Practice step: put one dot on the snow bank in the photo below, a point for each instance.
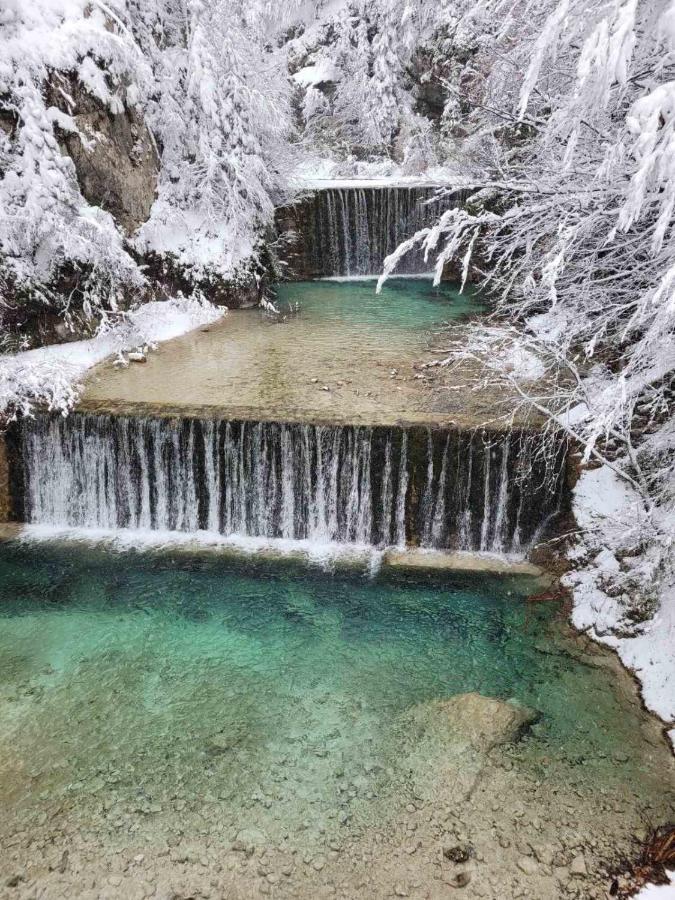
(51, 375)
(611, 516)
(195, 241)
(658, 891)
(319, 73)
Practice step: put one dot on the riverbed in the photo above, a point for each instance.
(195, 726)
(336, 352)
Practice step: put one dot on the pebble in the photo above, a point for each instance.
(457, 879)
(527, 865)
(578, 866)
(319, 863)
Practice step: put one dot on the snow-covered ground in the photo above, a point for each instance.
(51, 376)
(658, 891)
(609, 512)
(320, 173)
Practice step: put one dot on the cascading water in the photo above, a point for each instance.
(350, 231)
(374, 486)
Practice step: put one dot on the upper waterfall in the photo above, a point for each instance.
(349, 231)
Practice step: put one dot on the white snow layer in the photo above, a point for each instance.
(658, 891)
(319, 73)
(607, 510)
(50, 375)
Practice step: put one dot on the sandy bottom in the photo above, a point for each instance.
(337, 353)
(186, 727)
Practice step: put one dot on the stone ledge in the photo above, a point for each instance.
(339, 555)
(459, 561)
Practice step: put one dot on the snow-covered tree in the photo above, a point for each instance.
(571, 227)
(46, 225)
(220, 112)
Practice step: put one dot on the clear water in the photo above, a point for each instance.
(403, 303)
(137, 688)
(339, 353)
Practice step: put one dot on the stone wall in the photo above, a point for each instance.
(292, 224)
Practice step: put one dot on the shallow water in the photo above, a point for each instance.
(338, 352)
(403, 304)
(277, 695)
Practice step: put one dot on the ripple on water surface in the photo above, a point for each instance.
(135, 682)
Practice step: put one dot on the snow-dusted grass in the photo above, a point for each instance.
(51, 376)
(611, 516)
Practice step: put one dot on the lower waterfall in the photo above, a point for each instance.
(477, 490)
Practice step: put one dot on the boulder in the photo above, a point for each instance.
(482, 722)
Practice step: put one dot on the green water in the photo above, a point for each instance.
(404, 303)
(138, 687)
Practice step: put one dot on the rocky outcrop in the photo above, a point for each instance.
(485, 722)
(113, 154)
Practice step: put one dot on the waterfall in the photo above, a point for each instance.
(356, 485)
(350, 231)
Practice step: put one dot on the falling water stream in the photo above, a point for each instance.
(360, 485)
(350, 231)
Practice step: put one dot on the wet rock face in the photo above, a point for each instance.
(116, 165)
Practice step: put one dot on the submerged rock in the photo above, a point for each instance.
(248, 840)
(482, 722)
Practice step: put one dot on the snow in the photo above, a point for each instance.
(51, 375)
(195, 241)
(658, 891)
(611, 514)
(400, 181)
(520, 361)
(319, 73)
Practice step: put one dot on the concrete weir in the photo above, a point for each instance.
(363, 486)
(349, 229)
(317, 423)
